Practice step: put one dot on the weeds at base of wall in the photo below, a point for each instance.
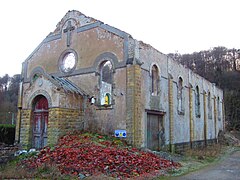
(209, 152)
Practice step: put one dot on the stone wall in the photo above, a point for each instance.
(94, 43)
(171, 120)
(61, 121)
(134, 110)
(25, 128)
(88, 43)
(183, 126)
(183, 147)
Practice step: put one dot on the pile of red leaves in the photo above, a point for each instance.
(87, 155)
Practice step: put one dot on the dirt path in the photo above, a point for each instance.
(228, 168)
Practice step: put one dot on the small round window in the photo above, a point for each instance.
(68, 61)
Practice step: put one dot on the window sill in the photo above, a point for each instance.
(105, 107)
(181, 112)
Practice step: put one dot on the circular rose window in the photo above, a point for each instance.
(68, 62)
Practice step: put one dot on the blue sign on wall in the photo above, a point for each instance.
(120, 133)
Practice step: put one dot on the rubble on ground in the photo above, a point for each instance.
(86, 155)
(7, 152)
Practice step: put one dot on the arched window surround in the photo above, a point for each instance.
(180, 87)
(106, 71)
(154, 73)
(36, 73)
(218, 109)
(209, 100)
(197, 102)
(100, 60)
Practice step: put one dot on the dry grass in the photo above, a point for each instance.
(14, 171)
(209, 152)
(11, 171)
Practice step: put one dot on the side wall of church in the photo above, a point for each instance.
(187, 127)
(151, 102)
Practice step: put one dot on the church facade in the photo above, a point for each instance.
(87, 75)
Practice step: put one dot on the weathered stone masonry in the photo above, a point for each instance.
(98, 78)
(25, 135)
(133, 121)
(171, 120)
(63, 121)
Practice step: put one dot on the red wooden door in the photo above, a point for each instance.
(40, 123)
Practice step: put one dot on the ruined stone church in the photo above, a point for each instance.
(87, 75)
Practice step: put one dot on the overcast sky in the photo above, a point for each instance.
(183, 26)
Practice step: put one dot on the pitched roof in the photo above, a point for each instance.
(67, 85)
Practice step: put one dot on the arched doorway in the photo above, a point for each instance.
(40, 121)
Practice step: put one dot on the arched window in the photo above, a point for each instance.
(36, 74)
(155, 80)
(197, 102)
(107, 99)
(106, 72)
(180, 94)
(209, 106)
(35, 77)
(106, 80)
(218, 109)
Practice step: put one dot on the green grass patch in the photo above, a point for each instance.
(7, 126)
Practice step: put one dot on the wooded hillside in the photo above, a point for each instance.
(221, 66)
(8, 98)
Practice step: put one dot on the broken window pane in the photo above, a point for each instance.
(68, 62)
(107, 72)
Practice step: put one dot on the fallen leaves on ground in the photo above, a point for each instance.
(86, 154)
